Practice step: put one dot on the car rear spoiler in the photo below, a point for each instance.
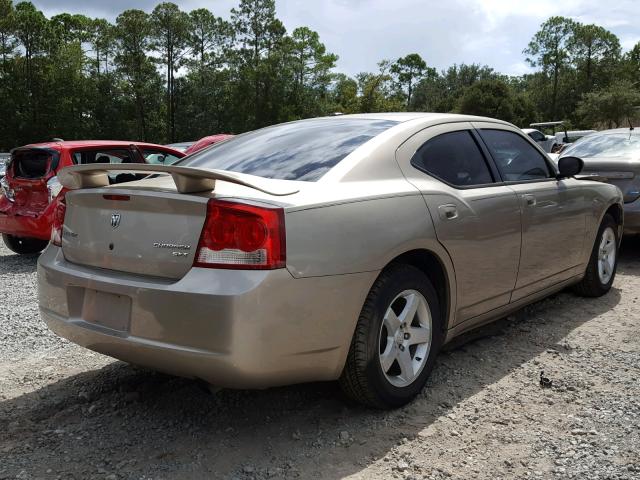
(187, 179)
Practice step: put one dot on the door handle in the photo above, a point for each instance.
(448, 212)
(530, 199)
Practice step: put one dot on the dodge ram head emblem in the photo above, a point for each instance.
(115, 220)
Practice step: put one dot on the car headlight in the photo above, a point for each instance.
(54, 187)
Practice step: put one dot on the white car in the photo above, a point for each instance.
(572, 135)
(547, 142)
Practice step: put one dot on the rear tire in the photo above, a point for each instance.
(24, 245)
(388, 366)
(601, 270)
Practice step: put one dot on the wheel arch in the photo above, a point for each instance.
(617, 212)
(434, 268)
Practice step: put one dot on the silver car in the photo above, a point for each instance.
(614, 156)
(348, 248)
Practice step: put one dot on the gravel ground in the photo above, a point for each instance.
(66, 412)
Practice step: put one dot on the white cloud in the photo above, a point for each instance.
(363, 32)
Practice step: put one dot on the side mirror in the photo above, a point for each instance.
(569, 167)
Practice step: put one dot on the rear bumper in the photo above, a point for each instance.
(632, 217)
(231, 328)
(33, 226)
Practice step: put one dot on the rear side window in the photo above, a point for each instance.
(516, 159)
(115, 156)
(454, 158)
(31, 163)
(303, 150)
(159, 157)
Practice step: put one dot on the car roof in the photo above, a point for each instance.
(625, 130)
(408, 116)
(91, 143)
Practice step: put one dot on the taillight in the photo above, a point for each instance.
(58, 220)
(241, 236)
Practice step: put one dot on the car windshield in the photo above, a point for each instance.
(606, 145)
(304, 150)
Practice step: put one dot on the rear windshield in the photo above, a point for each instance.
(610, 145)
(30, 163)
(303, 150)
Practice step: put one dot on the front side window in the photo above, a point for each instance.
(304, 150)
(453, 158)
(516, 159)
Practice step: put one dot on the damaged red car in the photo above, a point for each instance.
(30, 185)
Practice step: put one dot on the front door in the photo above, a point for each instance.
(476, 218)
(553, 211)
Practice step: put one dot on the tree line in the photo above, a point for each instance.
(172, 75)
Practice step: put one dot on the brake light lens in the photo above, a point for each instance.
(241, 236)
(58, 220)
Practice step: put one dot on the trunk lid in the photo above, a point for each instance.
(144, 232)
(622, 172)
(26, 177)
(149, 227)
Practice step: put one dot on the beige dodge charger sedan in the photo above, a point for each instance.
(347, 248)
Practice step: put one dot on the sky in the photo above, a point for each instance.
(444, 32)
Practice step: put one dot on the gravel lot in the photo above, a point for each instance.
(68, 413)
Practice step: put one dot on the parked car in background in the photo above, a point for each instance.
(547, 142)
(614, 155)
(349, 247)
(571, 136)
(550, 143)
(181, 146)
(31, 183)
(207, 141)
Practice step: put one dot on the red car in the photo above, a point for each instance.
(206, 141)
(30, 184)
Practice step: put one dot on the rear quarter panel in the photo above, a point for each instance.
(363, 236)
(356, 236)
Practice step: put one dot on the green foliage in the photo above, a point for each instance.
(170, 38)
(177, 75)
(549, 50)
(595, 52)
(489, 98)
(409, 70)
(610, 107)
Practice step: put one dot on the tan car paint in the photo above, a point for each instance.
(255, 328)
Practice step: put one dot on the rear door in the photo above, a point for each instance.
(476, 217)
(553, 211)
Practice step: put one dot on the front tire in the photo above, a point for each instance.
(601, 270)
(24, 245)
(396, 341)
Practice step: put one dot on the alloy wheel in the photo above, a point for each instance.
(405, 338)
(606, 255)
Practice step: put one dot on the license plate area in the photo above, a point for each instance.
(100, 308)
